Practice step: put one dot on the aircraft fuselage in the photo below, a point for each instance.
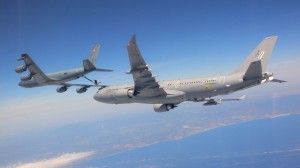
(56, 78)
(195, 89)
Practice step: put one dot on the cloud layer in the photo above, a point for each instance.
(52, 109)
(60, 161)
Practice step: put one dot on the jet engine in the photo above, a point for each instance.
(21, 68)
(130, 93)
(26, 77)
(163, 107)
(124, 93)
(81, 89)
(62, 89)
(211, 103)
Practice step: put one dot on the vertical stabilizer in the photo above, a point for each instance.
(94, 55)
(90, 63)
(261, 54)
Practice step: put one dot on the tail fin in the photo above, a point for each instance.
(256, 63)
(90, 63)
(94, 55)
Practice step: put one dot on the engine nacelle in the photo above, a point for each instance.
(130, 93)
(211, 103)
(81, 89)
(124, 93)
(163, 107)
(62, 89)
(26, 77)
(21, 68)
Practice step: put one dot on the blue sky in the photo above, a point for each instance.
(177, 38)
(54, 32)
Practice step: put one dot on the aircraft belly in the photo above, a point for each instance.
(121, 99)
(144, 100)
(160, 99)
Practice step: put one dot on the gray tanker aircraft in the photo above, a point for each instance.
(166, 95)
(37, 77)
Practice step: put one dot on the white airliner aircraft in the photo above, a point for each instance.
(166, 95)
(37, 77)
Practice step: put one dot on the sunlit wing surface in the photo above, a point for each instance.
(37, 74)
(142, 76)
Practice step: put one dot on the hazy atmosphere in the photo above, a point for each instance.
(178, 39)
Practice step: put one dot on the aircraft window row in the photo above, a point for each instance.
(211, 80)
(191, 82)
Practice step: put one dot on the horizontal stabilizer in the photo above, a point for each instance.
(278, 81)
(88, 66)
(103, 70)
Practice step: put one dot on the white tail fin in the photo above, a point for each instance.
(260, 55)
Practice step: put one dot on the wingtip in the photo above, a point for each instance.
(242, 97)
(24, 55)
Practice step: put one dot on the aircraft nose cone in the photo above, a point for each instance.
(102, 97)
(20, 83)
(99, 97)
(96, 97)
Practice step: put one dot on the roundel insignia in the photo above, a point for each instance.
(207, 86)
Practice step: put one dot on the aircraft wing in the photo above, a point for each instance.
(142, 76)
(211, 101)
(83, 85)
(37, 74)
